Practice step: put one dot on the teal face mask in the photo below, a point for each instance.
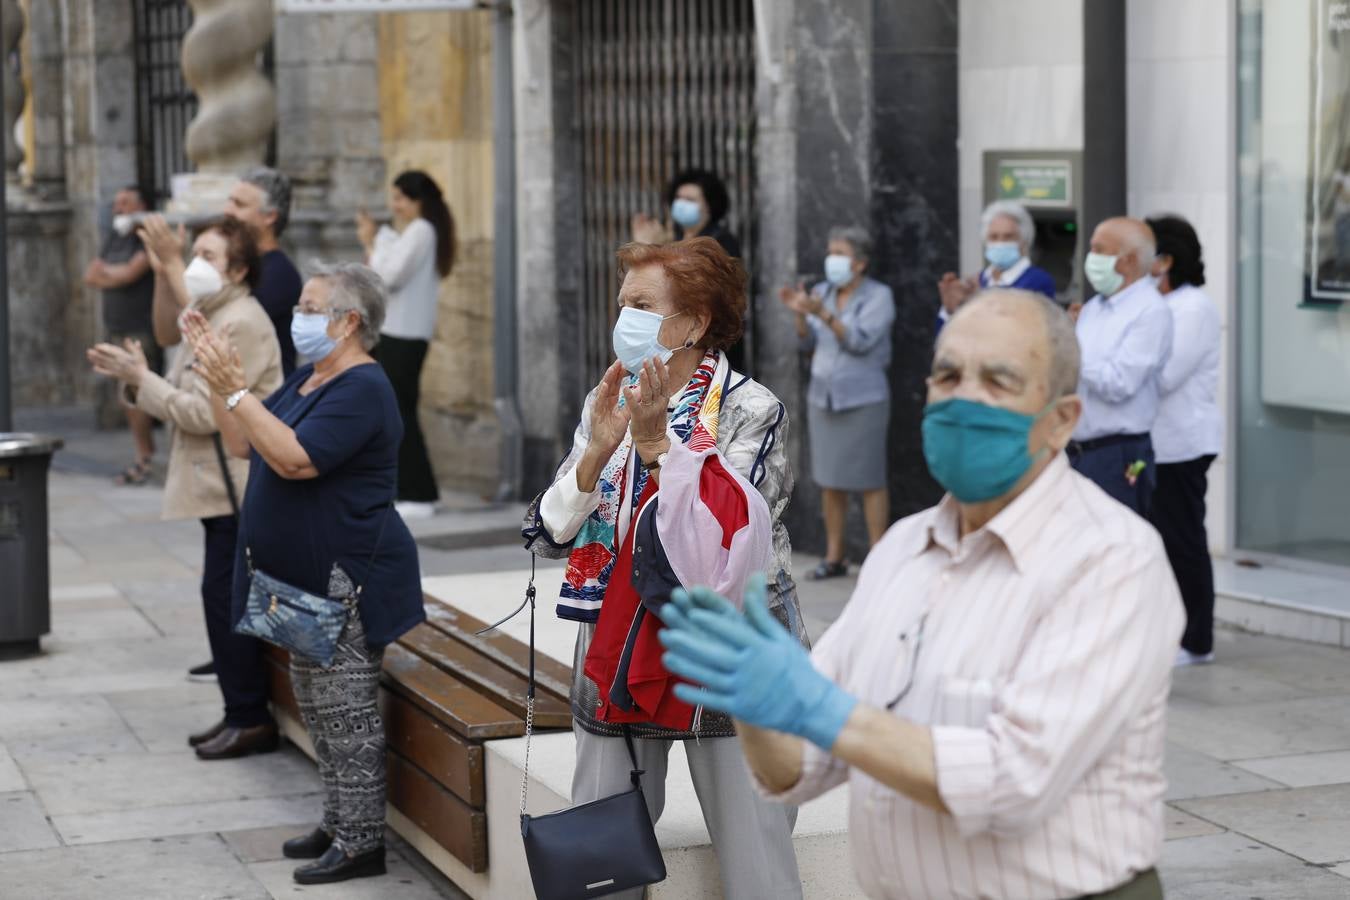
(976, 451)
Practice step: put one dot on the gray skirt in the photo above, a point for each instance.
(848, 448)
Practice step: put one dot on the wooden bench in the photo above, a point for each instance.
(444, 692)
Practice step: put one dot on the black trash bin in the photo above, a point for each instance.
(25, 581)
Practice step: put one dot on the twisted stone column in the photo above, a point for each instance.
(14, 25)
(237, 107)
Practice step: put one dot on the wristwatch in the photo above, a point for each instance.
(656, 463)
(233, 400)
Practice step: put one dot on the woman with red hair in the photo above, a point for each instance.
(678, 476)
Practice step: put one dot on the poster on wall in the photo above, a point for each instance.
(1329, 147)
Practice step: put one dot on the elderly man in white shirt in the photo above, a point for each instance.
(1125, 332)
(1188, 434)
(995, 693)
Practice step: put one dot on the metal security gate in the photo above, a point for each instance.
(664, 85)
(164, 103)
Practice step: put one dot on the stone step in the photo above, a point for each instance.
(1282, 602)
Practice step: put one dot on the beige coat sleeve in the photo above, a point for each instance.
(252, 333)
(187, 407)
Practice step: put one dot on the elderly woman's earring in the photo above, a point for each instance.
(689, 343)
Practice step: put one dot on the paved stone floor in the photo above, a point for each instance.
(100, 798)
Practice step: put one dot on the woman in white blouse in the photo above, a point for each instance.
(412, 256)
(1188, 433)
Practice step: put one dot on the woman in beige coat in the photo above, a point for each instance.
(217, 283)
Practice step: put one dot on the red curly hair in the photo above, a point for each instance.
(703, 278)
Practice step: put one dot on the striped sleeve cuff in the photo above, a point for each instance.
(820, 773)
(964, 760)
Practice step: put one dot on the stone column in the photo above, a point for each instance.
(14, 24)
(237, 108)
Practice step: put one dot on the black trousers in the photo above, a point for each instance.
(402, 361)
(1179, 516)
(1106, 460)
(240, 666)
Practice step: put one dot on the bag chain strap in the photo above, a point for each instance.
(529, 694)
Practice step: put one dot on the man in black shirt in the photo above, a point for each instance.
(262, 198)
(122, 272)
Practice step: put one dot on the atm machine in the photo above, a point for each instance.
(1049, 183)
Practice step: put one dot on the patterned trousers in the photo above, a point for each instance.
(340, 707)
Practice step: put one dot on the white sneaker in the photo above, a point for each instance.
(1187, 658)
(415, 509)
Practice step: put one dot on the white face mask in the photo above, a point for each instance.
(202, 279)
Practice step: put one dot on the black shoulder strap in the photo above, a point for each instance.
(225, 472)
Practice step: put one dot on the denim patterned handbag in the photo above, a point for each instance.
(296, 621)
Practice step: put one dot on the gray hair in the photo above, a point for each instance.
(1141, 241)
(857, 238)
(276, 189)
(357, 288)
(1060, 335)
(1015, 211)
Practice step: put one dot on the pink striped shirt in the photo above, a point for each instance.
(1040, 649)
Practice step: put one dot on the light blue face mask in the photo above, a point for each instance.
(686, 213)
(309, 331)
(636, 338)
(1002, 255)
(838, 269)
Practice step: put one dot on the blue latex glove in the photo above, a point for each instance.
(749, 666)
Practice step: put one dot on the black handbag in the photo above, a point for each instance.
(594, 849)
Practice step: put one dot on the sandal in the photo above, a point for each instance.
(828, 569)
(136, 473)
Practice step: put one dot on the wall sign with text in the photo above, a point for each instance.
(1036, 182)
(331, 6)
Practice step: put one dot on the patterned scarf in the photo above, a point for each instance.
(591, 563)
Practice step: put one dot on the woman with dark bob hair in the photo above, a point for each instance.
(678, 476)
(1188, 433)
(698, 203)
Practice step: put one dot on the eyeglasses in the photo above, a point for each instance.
(913, 660)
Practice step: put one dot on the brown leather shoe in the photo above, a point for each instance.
(235, 742)
(196, 740)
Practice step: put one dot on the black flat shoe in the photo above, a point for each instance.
(336, 865)
(828, 569)
(309, 846)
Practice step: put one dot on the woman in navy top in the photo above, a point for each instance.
(318, 514)
(1008, 234)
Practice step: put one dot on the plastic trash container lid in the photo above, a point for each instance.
(22, 443)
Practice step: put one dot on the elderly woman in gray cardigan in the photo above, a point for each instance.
(845, 323)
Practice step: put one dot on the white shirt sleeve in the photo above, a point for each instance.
(1195, 332)
(564, 507)
(396, 256)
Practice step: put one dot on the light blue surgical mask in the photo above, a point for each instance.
(636, 338)
(686, 213)
(977, 452)
(1002, 255)
(838, 269)
(1101, 273)
(309, 331)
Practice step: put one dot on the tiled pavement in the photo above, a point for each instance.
(99, 797)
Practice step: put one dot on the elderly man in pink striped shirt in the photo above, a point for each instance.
(995, 693)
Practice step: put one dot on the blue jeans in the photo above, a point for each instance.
(1106, 460)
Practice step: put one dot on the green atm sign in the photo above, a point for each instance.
(1036, 182)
